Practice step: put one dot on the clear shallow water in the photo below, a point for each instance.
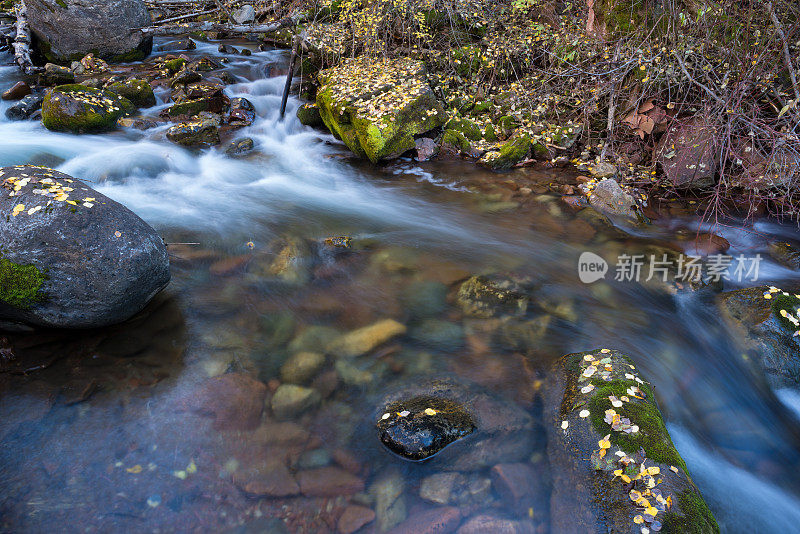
(103, 434)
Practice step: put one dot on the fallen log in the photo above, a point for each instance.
(188, 16)
(177, 29)
(22, 41)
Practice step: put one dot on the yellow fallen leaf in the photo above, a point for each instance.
(653, 470)
(17, 209)
(135, 469)
(191, 468)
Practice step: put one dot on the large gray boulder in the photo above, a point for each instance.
(67, 30)
(71, 257)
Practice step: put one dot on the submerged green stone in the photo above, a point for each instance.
(418, 428)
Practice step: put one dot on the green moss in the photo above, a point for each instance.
(652, 436)
(695, 518)
(308, 114)
(95, 110)
(466, 127)
(20, 285)
(512, 152)
(620, 16)
(128, 57)
(456, 140)
(481, 107)
(190, 107)
(507, 125)
(138, 92)
(489, 133)
(174, 65)
(468, 60)
(62, 3)
(791, 304)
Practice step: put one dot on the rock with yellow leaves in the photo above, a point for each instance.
(79, 109)
(614, 466)
(766, 321)
(71, 257)
(454, 425)
(377, 106)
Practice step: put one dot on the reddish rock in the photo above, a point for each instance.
(687, 154)
(353, 518)
(517, 484)
(440, 520)
(274, 481)
(328, 482)
(576, 202)
(17, 91)
(485, 523)
(347, 461)
(234, 400)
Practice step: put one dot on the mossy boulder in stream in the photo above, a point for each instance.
(376, 107)
(513, 151)
(765, 320)
(139, 92)
(71, 257)
(79, 109)
(614, 466)
(308, 115)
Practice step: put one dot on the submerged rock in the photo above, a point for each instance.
(70, 256)
(291, 400)
(79, 109)
(240, 147)
(363, 340)
(453, 425)
(485, 296)
(613, 464)
(786, 254)
(756, 316)
(67, 30)
(376, 107)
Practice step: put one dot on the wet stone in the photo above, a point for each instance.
(302, 367)
(420, 427)
(496, 525)
(25, 108)
(438, 334)
(363, 340)
(484, 296)
(353, 518)
(388, 492)
(17, 91)
(439, 520)
(290, 401)
(240, 147)
(328, 482)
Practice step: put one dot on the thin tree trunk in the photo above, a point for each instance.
(22, 41)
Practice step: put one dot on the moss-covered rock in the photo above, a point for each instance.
(465, 126)
(138, 92)
(308, 114)
(20, 285)
(376, 107)
(614, 465)
(201, 131)
(513, 151)
(174, 65)
(468, 60)
(488, 296)
(79, 109)
(456, 142)
(762, 319)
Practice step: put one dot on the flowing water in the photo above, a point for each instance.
(117, 429)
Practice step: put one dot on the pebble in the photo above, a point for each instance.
(17, 91)
(359, 342)
(291, 400)
(439, 520)
(302, 367)
(353, 518)
(328, 482)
